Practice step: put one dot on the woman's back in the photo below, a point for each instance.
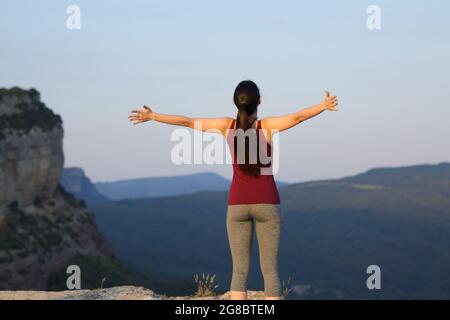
(249, 189)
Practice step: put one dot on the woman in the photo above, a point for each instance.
(253, 196)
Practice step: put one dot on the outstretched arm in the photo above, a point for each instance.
(288, 121)
(204, 124)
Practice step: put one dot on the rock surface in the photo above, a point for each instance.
(42, 227)
(31, 154)
(116, 293)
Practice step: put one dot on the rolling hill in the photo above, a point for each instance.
(397, 218)
(152, 187)
(162, 186)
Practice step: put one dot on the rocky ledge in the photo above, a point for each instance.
(115, 293)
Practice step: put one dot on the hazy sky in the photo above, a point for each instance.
(186, 57)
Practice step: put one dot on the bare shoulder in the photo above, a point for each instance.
(224, 122)
(218, 124)
(228, 125)
(229, 120)
(265, 123)
(266, 129)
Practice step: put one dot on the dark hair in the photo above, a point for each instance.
(246, 98)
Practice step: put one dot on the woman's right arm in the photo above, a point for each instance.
(281, 123)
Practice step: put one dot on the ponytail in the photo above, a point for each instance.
(246, 99)
(242, 120)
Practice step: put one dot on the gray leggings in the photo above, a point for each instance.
(240, 220)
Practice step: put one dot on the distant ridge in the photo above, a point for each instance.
(152, 187)
(395, 175)
(75, 181)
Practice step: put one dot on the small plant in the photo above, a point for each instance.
(205, 285)
(286, 288)
(103, 282)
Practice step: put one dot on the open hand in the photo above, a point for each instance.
(330, 102)
(142, 115)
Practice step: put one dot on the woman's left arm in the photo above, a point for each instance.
(219, 125)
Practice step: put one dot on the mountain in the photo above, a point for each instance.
(163, 186)
(396, 218)
(77, 183)
(43, 228)
(153, 187)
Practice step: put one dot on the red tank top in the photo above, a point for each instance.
(247, 189)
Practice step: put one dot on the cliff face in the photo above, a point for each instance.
(42, 227)
(31, 156)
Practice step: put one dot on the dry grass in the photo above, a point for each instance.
(286, 288)
(205, 285)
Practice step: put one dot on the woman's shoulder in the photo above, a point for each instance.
(231, 122)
